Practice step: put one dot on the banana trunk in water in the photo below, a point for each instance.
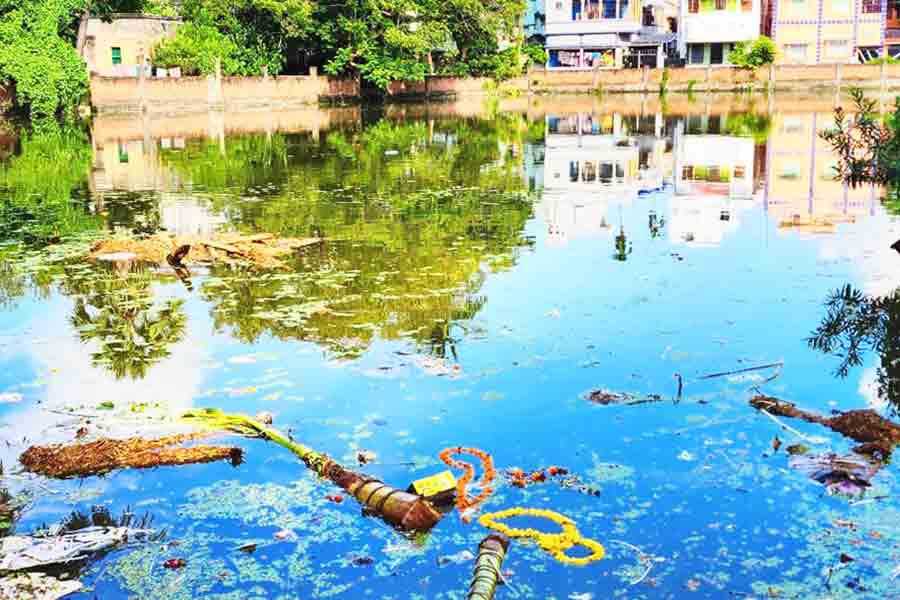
(403, 510)
(486, 575)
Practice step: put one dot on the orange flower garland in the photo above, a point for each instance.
(463, 502)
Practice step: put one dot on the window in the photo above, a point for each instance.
(573, 171)
(739, 171)
(795, 52)
(871, 6)
(789, 172)
(609, 9)
(720, 4)
(123, 153)
(747, 5)
(590, 171)
(792, 126)
(837, 48)
(558, 6)
(693, 6)
(716, 54)
(841, 7)
(116, 56)
(687, 172)
(698, 54)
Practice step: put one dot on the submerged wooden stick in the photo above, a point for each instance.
(486, 575)
(406, 511)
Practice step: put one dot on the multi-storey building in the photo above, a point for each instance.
(708, 29)
(829, 31)
(800, 187)
(590, 34)
(535, 21)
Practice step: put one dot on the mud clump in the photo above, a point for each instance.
(876, 435)
(102, 456)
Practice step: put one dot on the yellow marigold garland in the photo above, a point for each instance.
(556, 544)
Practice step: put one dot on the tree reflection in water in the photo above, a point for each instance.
(856, 324)
(115, 309)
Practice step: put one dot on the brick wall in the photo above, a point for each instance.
(129, 94)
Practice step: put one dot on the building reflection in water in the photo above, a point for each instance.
(702, 171)
(800, 191)
(594, 162)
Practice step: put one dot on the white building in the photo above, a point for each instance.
(713, 165)
(708, 29)
(593, 163)
(592, 34)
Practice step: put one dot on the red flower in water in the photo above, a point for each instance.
(337, 499)
(175, 563)
(537, 476)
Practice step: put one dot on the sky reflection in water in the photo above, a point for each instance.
(483, 273)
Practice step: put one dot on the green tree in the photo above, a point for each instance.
(43, 188)
(381, 40)
(195, 49)
(253, 33)
(405, 258)
(855, 325)
(117, 312)
(867, 147)
(751, 56)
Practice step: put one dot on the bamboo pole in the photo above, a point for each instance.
(486, 575)
(403, 510)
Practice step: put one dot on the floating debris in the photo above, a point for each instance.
(105, 455)
(262, 250)
(364, 457)
(36, 586)
(408, 512)
(877, 435)
(27, 552)
(556, 544)
(520, 479)
(605, 397)
(10, 397)
(464, 504)
(463, 556)
(486, 575)
(841, 475)
(175, 563)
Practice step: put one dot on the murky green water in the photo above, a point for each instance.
(481, 275)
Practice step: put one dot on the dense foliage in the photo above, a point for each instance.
(414, 221)
(867, 146)
(378, 40)
(44, 186)
(750, 56)
(855, 325)
(37, 54)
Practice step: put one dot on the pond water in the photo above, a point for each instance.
(485, 268)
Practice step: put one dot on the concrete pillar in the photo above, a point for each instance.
(142, 85)
(215, 96)
(660, 58)
(314, 71)
(837, 84)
